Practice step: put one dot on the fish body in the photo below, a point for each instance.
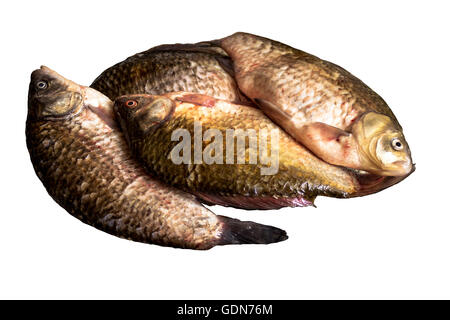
(84, 163)
(320, 104)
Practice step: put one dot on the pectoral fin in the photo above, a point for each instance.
(331, 144)
(319, 131)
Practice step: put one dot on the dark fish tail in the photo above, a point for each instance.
(248, 232)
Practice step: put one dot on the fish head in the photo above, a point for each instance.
(53, 97)
(383, 147)
(140, 113)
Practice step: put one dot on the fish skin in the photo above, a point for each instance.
(86, 166)
(308, 96)
(172, 62)
(300, 179)
(202, 68)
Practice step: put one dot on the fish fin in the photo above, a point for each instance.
(206, 47)
(200, 47)
(255, 203)
(247, 232)
(273, 111)
(323, 131)
(226, 63)
(198, 99)
(331, 144)
(320, 130)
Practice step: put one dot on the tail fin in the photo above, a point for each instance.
(247, 232)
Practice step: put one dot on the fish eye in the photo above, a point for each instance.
(397, 144)
(42, 85)
(131, 103)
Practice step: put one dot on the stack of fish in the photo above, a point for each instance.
(154, 136)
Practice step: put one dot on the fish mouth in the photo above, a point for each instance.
(372, 183)
(403, 167)
(66, 90)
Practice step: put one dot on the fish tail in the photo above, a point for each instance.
(248, 232)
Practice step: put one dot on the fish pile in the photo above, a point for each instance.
(243, 121)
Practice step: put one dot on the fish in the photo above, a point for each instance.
(83, 161)
(274, 171)
(323, 106)
(206, 68)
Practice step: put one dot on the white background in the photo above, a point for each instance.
(394, 244)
